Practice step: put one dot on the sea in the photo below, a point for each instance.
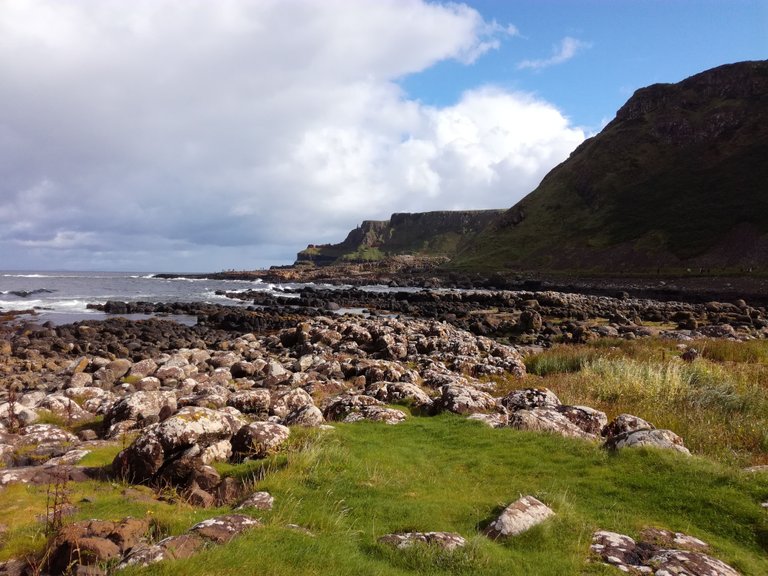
(62, 297)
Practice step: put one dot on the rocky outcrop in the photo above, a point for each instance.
(658, 552)
(425, 233)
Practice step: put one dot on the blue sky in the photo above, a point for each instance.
(158, 135)
(627, 44)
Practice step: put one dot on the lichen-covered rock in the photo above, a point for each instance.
(673, 562)
(445, 540)
(143, 368)
(140, 461)
(653, 553)
(171, 548)
(222, 529)
(140, 406)
(341, 406)
(64, 407)
(258, 440)
(376, 414)
(15, 415)
(258, 501)
(93, 542)
(289, 401)
(307, 416)
(625, 423)
(529, 398)
(40, 442)
(672, 540)
(665, 439)
(621, 551)
(466, 400)
(399, 392)
(254, 402)
(588, 419)
(195, 425)
(547, 420)
(520, 516)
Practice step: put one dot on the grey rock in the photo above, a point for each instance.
(518, 517)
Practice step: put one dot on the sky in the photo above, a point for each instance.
(194, 136)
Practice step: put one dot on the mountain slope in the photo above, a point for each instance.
(679, 179)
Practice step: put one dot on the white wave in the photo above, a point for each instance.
(142, 277)
(71, 305)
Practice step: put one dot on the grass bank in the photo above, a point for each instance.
(351, 485)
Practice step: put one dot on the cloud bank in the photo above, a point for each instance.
(158, 135)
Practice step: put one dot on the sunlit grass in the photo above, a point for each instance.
(718, 403)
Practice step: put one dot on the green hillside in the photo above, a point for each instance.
(679, 179)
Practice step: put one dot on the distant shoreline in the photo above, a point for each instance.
(687, 288)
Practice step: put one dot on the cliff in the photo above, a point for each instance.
(419, 234)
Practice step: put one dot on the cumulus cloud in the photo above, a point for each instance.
(159, 135)
(567, 49)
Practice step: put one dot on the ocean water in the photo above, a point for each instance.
(62, 297)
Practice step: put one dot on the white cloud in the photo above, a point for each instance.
(567, 49)
(206, 135)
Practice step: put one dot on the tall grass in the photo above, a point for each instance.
(718, 403)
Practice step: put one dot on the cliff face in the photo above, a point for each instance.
(418, 234)
(679, 179)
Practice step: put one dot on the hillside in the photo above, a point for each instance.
(424, 234)
(678, 180)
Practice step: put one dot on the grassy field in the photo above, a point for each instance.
(355, 483)
(350, 485)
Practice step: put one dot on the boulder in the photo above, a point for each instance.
(528, 398)
(140, 406)
(665, 439)
(308, 416)
(658, 551)
(195, 425)
(222, 529)
(547, 420)
(254, 402)
(64, 407)
(171, 548)
(376, 414)
(289, 401)
(40, 442)
(445, 540)
(258, 440)
(588, 419)
(466, 400)
(518, 517)
(400, 392)
(93, 542)
(625, 423)
(142, 368)
(341, 406)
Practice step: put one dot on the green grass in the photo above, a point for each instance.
(353, 484)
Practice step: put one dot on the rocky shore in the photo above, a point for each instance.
(231, 388)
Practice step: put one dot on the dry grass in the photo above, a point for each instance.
(718, 403)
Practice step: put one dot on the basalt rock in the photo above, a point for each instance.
(658, 552)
